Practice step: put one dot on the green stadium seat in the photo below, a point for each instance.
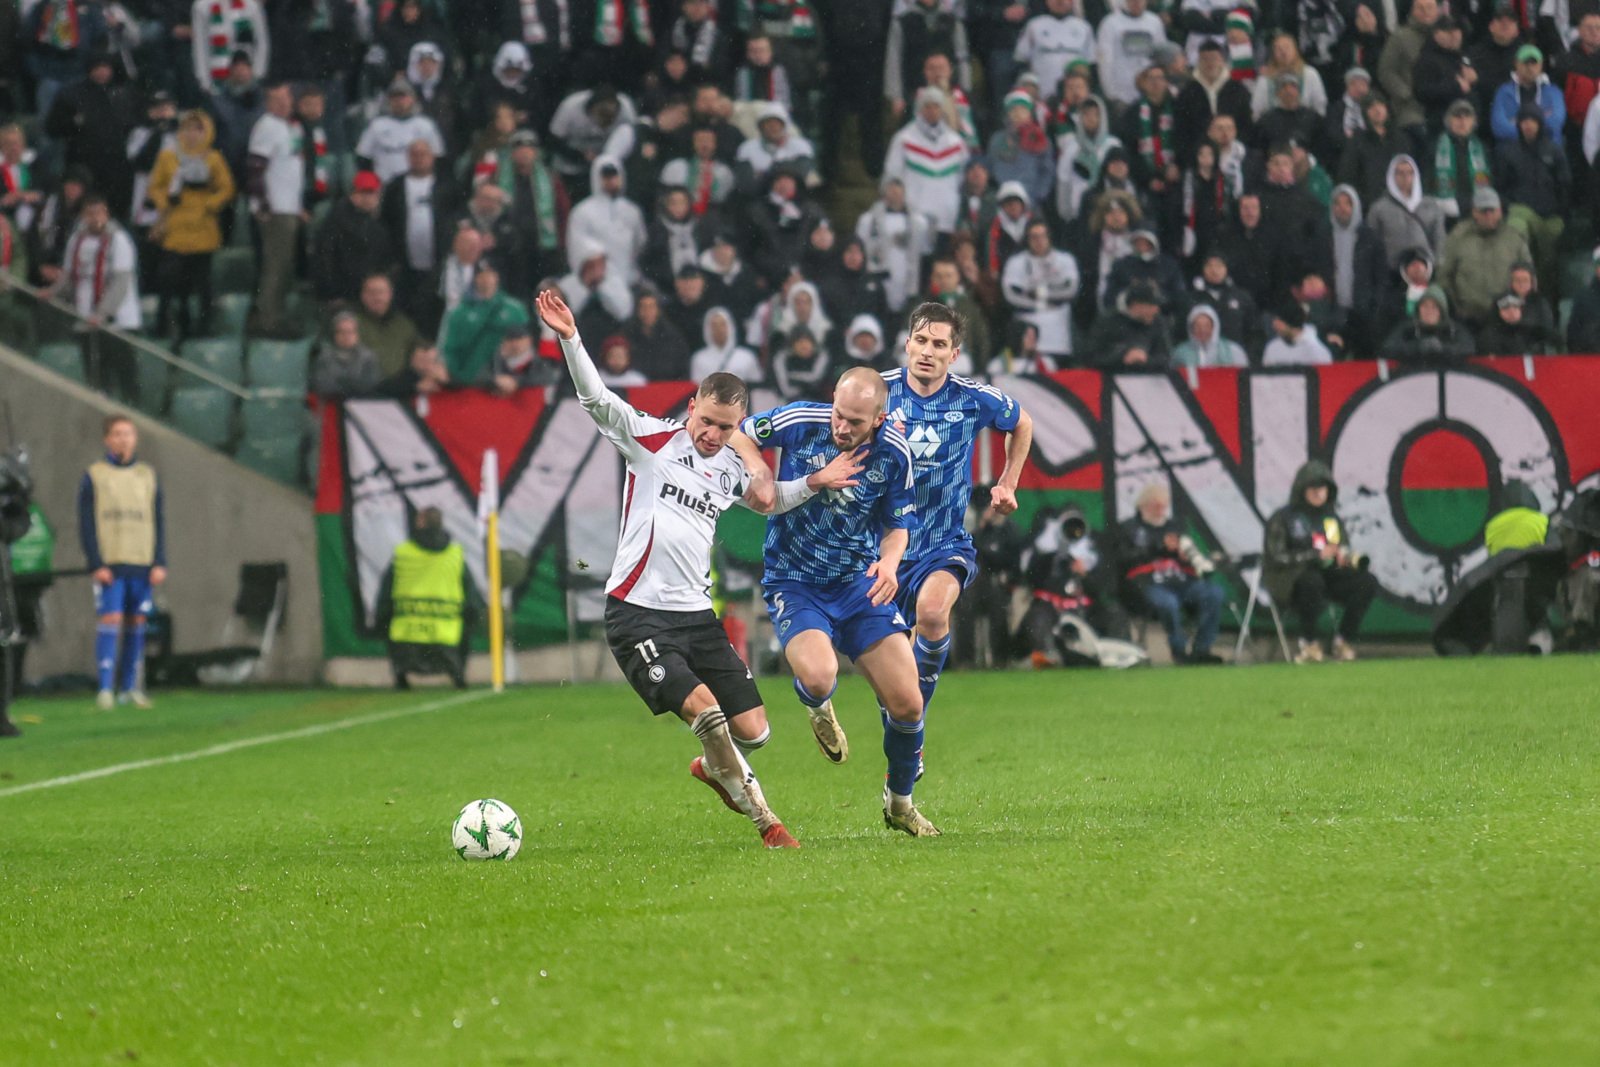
(229, 311)
(63, 357)
(233, 270)
(265, 417)
(276, 457)
(204, 412)
(222, 356)
(279, 364)
(302, 313)
(155, 379)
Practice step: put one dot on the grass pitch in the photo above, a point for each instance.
(1380, 863)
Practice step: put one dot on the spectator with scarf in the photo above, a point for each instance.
(1200, 206)
(536, 203)
(702, 40)
(928, 157)
(1210, 92)
(1020, 153)
(189, 188)
(922, 28)
(1148, 129)
(674, 238)
(100, 278)
(221, 30)
(710, 181)
(759, 79)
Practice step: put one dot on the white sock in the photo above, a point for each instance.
(728, 768)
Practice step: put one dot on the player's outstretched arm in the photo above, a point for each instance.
(616, 419)
(1019, 442)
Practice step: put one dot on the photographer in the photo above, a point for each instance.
(15, 488)
(1309, 561)
(999, 543)
(1070, 572)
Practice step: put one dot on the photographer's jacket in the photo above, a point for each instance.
(119, 517)
(1297, 532)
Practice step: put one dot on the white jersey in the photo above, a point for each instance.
(670, 500)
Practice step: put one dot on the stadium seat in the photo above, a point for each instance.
(277, 457)
(222, 356)
(266, 417)
(155, 379)
(228, 314)
(63, 357)
(279, 364)
(233, 270)
(204, 412)
(303, 313)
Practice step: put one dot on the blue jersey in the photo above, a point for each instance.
(941, 430)
(835, 536)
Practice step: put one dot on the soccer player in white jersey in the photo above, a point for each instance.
(659, 622)
(941, 415)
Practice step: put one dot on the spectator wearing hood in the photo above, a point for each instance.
(1478, 257)
(1237, 313)
(189, 188)
(662, 352)
(1443, 74)
(92, 117)
(1358, 272)
(599, 292)
(436, 94)
(801, 367)
(722, 351)
(509, 81)
(674, 238)
(386, 140)
(776, 143)
(928, 157)
(1007, 231)
(471, 334)
(1533, 176)
(1081, 152)
(864, 345)
(1524, 282)
(343, 365)
(945, 286)
(1430, 336)
(608, 219)
(802, 308)
(735, 284)
(1070, 569)
(1134, 335)
(1019, 153)
(1510, 334)
(221, 29)
(1205, 345)
(1404, 218)
(582, 124)
(1308, 560)
(410, 23)
(1367, 157)
(1040, 283)
(1397, 303)
(1211, 92)
(1200, 206)
(779, 225)
(1146, 263)
(1460, 161)
(1529, 84)
(846, 286)
(1296, 343)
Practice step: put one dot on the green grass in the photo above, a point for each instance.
(1383, 863)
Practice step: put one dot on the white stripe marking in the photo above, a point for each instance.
(244, 742)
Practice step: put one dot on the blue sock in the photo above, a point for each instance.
(902, 744)
(930, 661)
(105, 652)
(132, 656)
(814, 701)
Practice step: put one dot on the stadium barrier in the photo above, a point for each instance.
(1419, 455)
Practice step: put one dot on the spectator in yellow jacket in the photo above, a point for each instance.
(190, 187)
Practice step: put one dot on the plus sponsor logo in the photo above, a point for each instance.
(699, 504)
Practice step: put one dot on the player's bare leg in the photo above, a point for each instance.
(816, 676)
(891, 670)
(723, 768)
(931, 641)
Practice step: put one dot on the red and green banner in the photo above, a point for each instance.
(1419, 457)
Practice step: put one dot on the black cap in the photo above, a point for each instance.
(689, 270)
(609, 170)
(516, 333)
(1291, 315)
(1143, 293)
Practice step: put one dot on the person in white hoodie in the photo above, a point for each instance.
(928, 156)
(609, 219)
(1405, 218)
(1296, 343)
(1205, 345)
(864, 345)
(896, 239)
(1082, 149)
(1126, 40)
(723, 352)
(1053, 40)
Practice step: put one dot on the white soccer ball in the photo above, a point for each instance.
(486, 830)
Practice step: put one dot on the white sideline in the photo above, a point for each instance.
(244, 742)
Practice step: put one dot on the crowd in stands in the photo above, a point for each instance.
(1134, 183)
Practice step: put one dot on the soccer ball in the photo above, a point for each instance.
(486, 830)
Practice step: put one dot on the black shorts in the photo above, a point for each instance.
(666, 655)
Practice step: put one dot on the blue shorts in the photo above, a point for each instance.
(959, 560)
(127, 595)
(840, 610)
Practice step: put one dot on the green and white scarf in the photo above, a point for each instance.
(612, 18)
(1444, 166)
(544, 194)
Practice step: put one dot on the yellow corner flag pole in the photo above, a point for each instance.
(489, 508)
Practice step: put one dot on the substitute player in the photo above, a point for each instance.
(659, 621)
(941, 414)
(124, 543)
(830, 573)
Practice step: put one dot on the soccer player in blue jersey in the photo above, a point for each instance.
(941, 414)
(831, 573)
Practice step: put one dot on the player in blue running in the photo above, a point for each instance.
(831, 573)
(941, 414)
